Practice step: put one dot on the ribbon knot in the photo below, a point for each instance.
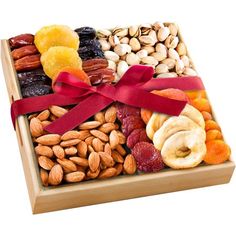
(133, 89)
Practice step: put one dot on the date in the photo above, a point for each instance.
(28, 63)
(21, 40)
(24, 51)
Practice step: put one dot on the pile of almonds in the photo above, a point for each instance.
(94, 150)
(155, 44)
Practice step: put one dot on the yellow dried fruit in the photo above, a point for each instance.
(58, 58)
(56, 35)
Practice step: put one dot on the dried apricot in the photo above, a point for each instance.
(58, 58)
(217, 152)
(211, 124)
(56, 35)
(202, 104)
(213, 134)
(206, 115)
(196, 94)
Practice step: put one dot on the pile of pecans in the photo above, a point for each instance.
(155, 44)
(94, 150)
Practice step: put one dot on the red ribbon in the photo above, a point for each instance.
(132, 89)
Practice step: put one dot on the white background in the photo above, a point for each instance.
(209, 30)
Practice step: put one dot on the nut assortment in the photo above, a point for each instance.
(120, 140)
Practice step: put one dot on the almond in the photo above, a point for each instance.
(107, 173)
(122, 138)
(49, 139)
(89, 125)
(70, 142)
(36, 127)
(45, 123)
(74, 177)
(121, 150)
(130, 164)
(55, 175)
(44, 151)
(117, 157)
(94, 161)
(119, 168)
(81, 168)
(45, 162)
(110, 114)
(93, 175)
(82, 149)
(72, 134)
(107, 127)
(58, 151)
(113, 139)
(90, 149)
(106, 159)
(89, 140)
(43, 115)
(107, 148)
(44, 177)
(71, 151)
(97, 145)
(32, 116)
(57, 111)
(100, 117)
(52, 117)
(79, 161)
(67, 164)
(100, 135)
(83, 134)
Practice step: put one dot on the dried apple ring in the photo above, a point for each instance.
(58, 58)
(56, 35)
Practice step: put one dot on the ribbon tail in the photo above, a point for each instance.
(80, 113)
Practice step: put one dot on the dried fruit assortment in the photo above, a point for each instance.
(120, 139)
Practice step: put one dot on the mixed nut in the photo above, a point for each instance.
(120, 139)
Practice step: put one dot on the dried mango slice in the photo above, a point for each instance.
(58, 58)
(56, 35)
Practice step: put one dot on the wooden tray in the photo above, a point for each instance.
(44, 199)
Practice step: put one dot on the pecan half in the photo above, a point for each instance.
(94, 64)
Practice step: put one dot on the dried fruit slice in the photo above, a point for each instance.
(124, 110)
(148, 158)
(131, 123)
(56, 35)
(136, 136)
(58, 58)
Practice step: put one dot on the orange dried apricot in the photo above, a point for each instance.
(196, 94)
(202, 104)
(213, 134)
(211, 124)
(217, 152)
(56, 35)
(206, 115)
(58, 58)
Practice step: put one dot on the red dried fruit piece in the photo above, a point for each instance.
(148, 157)
(124, 110)
(131, 123)
(136, 136)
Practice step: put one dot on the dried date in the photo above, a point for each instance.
(21, 40)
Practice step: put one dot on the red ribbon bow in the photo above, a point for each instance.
(132, 89)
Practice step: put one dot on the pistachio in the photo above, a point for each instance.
(110, 55)
(163, 33)
(185, 60)
(103, 33)
(169, 62)
(120, 32)
(167, 75)
(153, 34)
(113, 40)
(147, 40)
(179, 67)
(134, 44)
(111, 65)
(162, 68)
(142, 53)
(172, 53)
(149, 60)
(173, 29)
(124, 40)
(104, 44)
(189, 71)
(122, 67)
(171, 41)
(161, 52)
(181, 49)
(145, 28)
(149, 49)
(157, 25)
(132, 59)
(122, 49)
(134, 31)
